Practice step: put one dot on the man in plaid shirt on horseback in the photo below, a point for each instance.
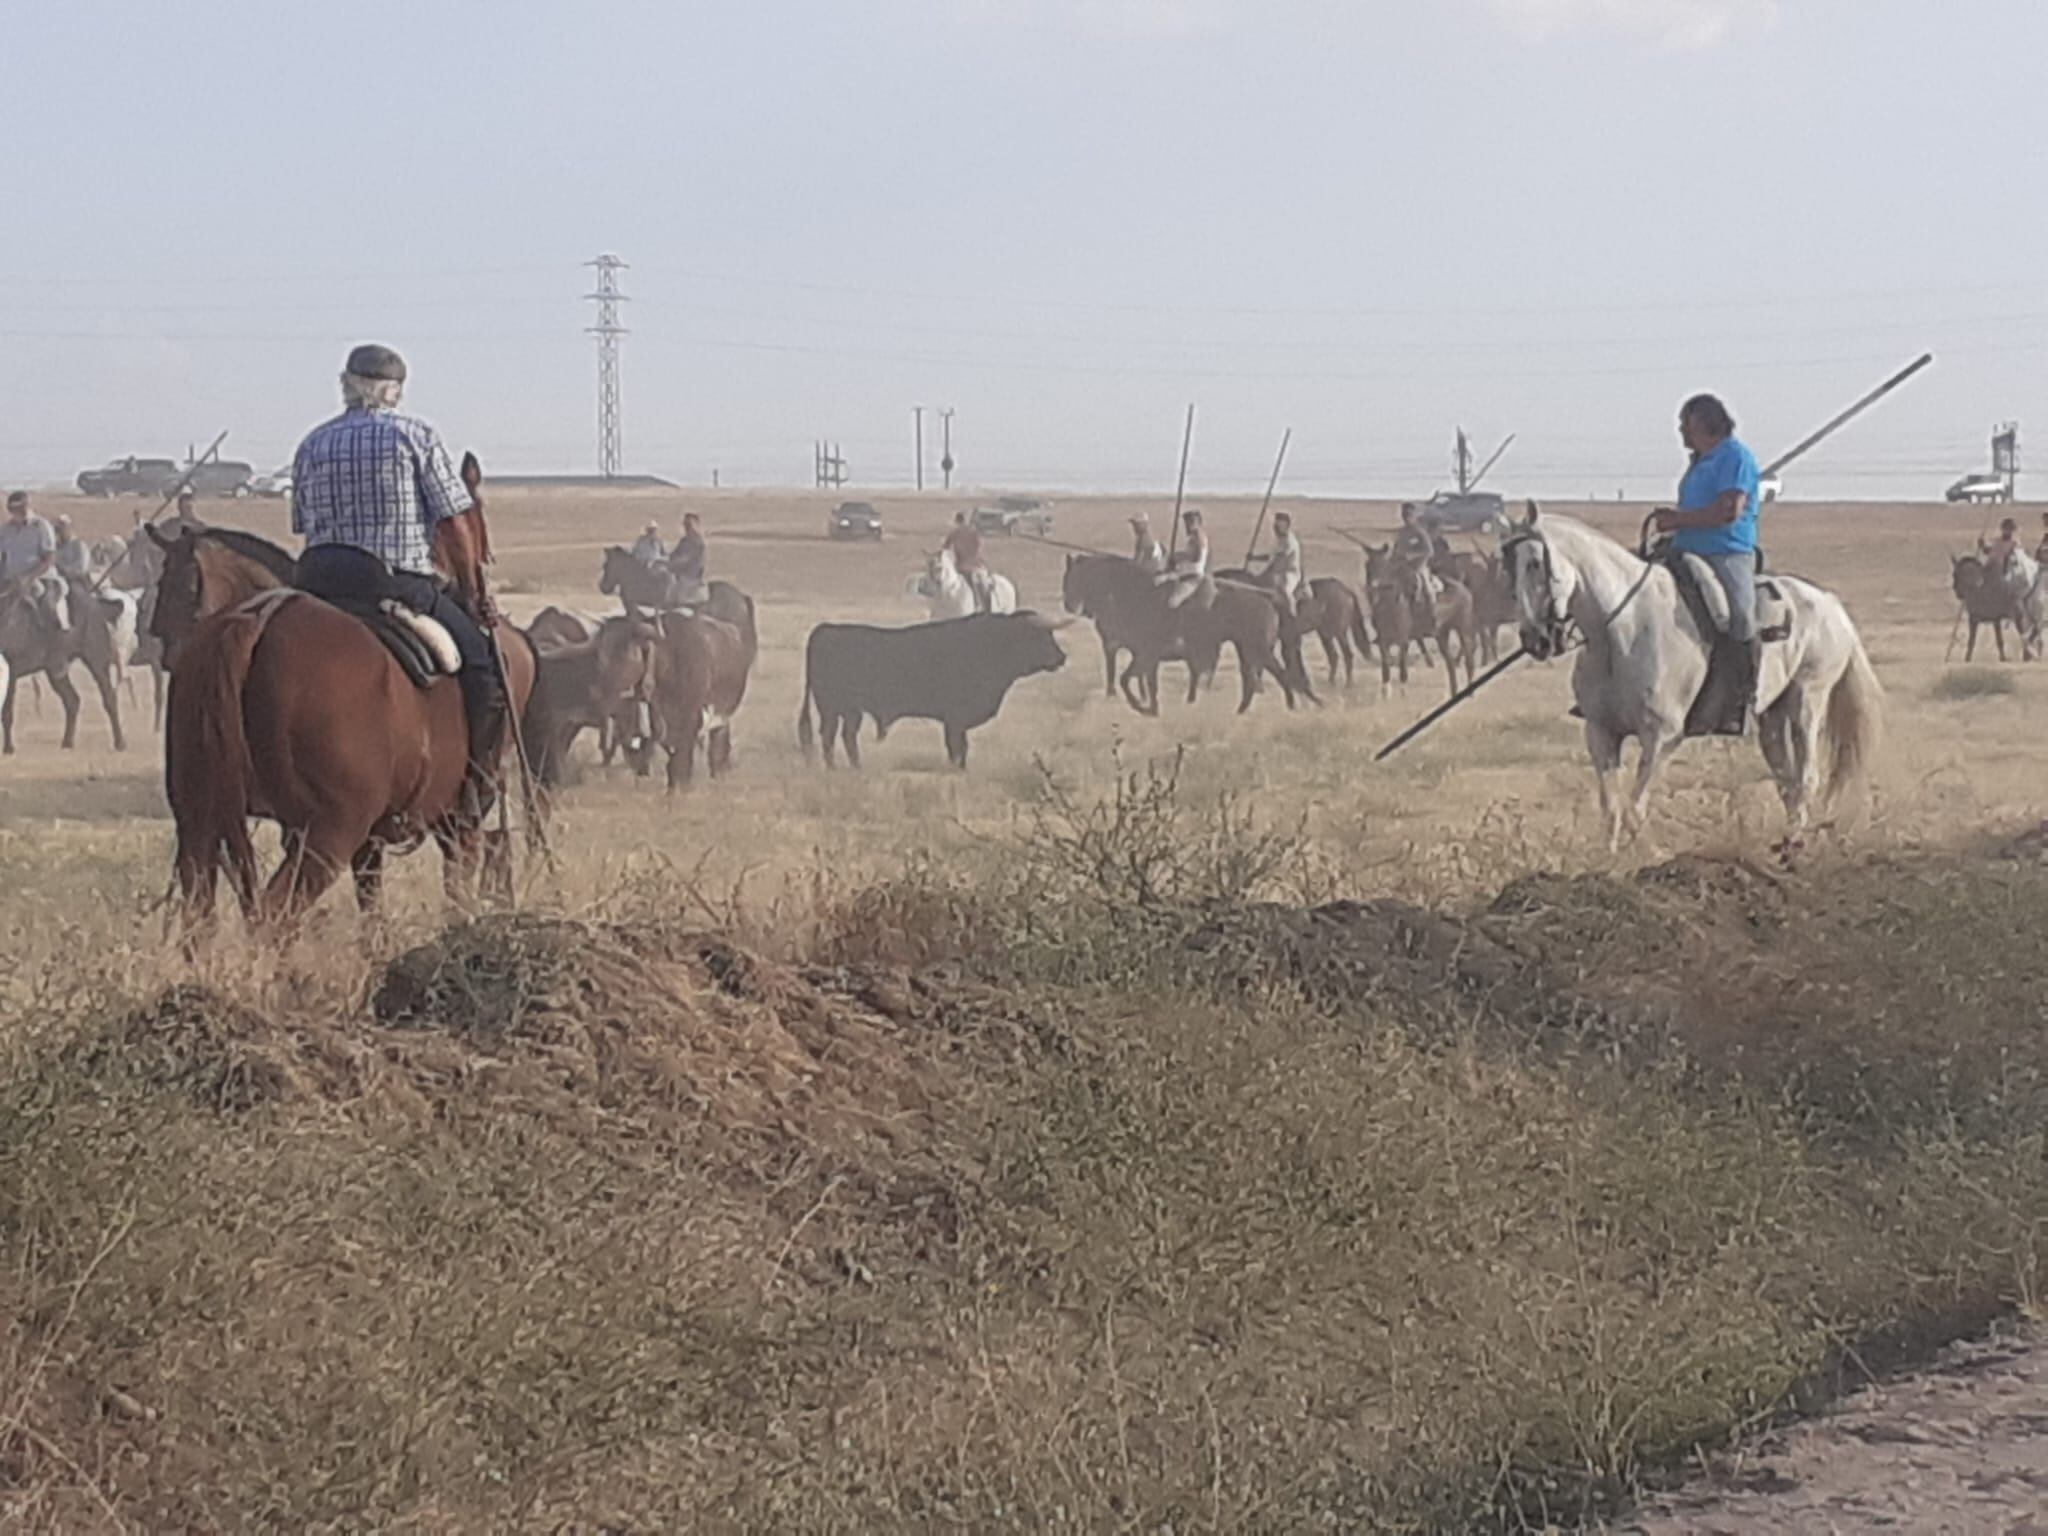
(372, 481)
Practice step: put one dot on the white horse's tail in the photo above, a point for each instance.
(1855, 723)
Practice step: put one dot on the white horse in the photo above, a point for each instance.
(951, 596)
(1820, 707)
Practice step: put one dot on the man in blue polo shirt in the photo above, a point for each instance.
(1716, 519)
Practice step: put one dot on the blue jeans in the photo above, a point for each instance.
(1737, 575)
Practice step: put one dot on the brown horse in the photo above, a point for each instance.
(1332, 610)
(1131, 613)
(700, 678)
(1248, 621)
(1394, 626)
(601, 682)
(1493, 604)
(1404, 609)
(288, 708)
(1986, 599)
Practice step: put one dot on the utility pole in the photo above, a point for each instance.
(946, 459)
(607, 331)
(1461, 462)
(917, 416)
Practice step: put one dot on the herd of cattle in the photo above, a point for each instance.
(666, 677)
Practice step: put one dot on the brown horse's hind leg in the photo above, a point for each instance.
(682, 757)
(196, 887)
(1140, 684)
(313, 860)
(718, 752)
(110, 700)
(1294, 683)
(67, 695)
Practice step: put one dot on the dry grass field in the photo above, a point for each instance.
(918, 1148)
(1499, 787)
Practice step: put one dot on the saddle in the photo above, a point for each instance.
(359, 584)
(1726, 662)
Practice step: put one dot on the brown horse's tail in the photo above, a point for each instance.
(206, 750)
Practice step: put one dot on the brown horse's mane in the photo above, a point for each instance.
(274, 559)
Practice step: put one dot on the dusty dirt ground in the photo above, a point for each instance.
(1959, 1447)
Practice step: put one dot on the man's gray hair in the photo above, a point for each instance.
(370, 394)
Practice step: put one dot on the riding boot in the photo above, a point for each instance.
(1747, 659)
(485, 715)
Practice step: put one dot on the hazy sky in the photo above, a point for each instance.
(1369, 221)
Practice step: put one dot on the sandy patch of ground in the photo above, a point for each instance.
(1960, 1447)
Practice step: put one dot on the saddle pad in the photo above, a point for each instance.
(1709, 599)
(433, 634)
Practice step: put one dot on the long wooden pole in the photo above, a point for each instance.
(1260, 526)
(177, 489)
(1811, 440)
(1187, 441)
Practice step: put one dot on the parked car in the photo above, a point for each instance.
(130, 477)
(133, 476)
(1014, 515)
(276, 485)
(221, 477)
(1976, 488)
(854, 520)
(1464, 512)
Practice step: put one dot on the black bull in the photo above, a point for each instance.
(956, 671)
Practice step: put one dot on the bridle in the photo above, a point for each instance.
(1553, 629)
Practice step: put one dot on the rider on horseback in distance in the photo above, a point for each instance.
(377, 482)
(963, 541)
(1716, 519)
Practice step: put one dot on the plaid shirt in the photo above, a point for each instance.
(376, 481)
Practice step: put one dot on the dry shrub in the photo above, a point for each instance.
(1972, 683)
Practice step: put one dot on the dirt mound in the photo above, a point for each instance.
(1343, 952)
(687, 1033)
(1681, 950)
(224, 1056)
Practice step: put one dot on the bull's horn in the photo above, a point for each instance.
(1045, 620)
(1533, 513)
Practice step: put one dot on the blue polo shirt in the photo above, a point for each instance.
(1730, 467)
